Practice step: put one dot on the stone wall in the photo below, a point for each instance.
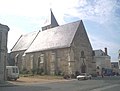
(3, 50)
(16, 59)
(52, 61)
(81, 44)
(102, 62)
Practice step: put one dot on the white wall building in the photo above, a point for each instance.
(3, 50)
(115, 68)
(103, 61)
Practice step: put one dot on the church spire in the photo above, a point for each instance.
(50, 23)
(54, 22)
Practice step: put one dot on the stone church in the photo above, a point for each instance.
(56, 49)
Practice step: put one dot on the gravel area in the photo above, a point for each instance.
(36, 79)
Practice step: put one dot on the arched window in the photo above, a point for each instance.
(31, 61)
(39, 60)
(83, 65)
(82, 54)
(16, 59)
(83, 69)
(98, 67)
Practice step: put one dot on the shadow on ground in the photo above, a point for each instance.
(6, 84)
(107, 78)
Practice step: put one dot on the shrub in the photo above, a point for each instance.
(40, 71)
(66, 76)
(24, 71)
(72, 76)
(33, 71)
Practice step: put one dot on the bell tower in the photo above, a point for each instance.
(51, 22)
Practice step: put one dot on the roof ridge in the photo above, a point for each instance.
(17, 41)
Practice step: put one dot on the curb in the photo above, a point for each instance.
(6, 84)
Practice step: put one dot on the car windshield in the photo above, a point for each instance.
(15, 70)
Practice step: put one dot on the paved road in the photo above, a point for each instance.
(96, 84)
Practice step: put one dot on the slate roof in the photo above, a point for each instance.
(58, 37)
(24, 41)
(99, 53)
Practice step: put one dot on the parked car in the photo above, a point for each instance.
(84, 76)
(12, 72)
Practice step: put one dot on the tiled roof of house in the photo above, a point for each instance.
(24, 41)
(99, 53)
(58, 37)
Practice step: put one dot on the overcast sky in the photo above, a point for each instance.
(101, 19)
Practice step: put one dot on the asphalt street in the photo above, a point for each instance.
(96, 84)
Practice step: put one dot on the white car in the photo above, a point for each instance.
(12, 72)
(84, 76)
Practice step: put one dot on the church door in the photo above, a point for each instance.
(83, 69)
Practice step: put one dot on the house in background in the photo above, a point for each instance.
(3, 51)
(55, 49)
(115, 68)
(119, 59)
(103, 62)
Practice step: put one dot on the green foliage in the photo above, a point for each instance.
(24, 71)
(60, 73)
(38, 71)
(33, 71)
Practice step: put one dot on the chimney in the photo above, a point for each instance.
(106, 51)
